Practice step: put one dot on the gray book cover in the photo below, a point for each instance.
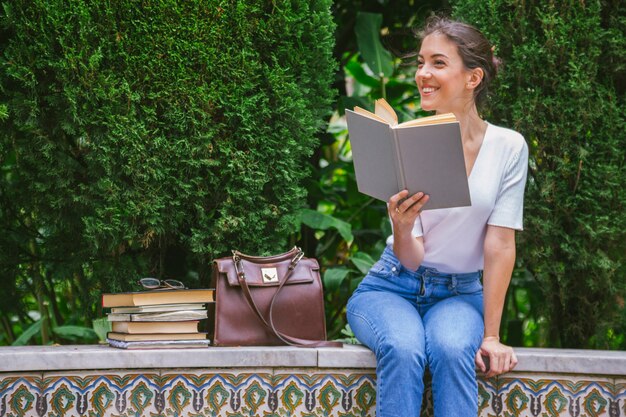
(418, 158)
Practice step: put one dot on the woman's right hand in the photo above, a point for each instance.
(403, 209)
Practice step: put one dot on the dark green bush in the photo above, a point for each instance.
(149, 137)
(563, 88)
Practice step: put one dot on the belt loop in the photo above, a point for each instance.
(453, 282)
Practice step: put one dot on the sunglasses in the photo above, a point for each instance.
(155, 283)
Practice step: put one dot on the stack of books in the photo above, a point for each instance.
(157, 318)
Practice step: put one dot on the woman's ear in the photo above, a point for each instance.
(474, 78)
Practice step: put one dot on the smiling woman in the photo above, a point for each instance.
(429, 309)
(468, 44)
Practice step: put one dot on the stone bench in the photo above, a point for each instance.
(281, 381)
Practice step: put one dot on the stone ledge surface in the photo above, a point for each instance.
(89, 357)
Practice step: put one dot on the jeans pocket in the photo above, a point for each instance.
(468, 287)
(383, 269)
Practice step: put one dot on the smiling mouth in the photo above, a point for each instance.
(427, 90)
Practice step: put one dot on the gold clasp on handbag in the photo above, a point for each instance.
(238, 266)
(269, 274)
(296, 258)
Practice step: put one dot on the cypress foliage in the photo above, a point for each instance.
(563, 88)
(137, 134)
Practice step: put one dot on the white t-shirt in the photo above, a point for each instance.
(454, 238)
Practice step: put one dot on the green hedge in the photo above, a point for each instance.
(148, 137)
(562, 87)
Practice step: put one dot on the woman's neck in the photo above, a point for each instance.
(472, 126)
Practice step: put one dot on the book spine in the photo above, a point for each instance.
(398, 159)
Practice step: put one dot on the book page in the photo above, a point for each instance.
(369, 114)
(386, 112)
(430, 120)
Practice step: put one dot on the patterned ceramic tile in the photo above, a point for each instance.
(532, 395)
(487, 396)
(20, 395)
(128, 393)
(283, 392)
(227, 392)
(332, 393)
(617, 408)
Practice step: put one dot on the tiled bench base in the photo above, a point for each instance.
(188, 392)
(281, 389)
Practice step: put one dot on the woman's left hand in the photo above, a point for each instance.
(501, 357)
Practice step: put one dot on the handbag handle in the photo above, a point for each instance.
(289, 340)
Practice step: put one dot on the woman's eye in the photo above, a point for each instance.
(440, 63)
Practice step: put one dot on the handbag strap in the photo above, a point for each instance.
(289, 340)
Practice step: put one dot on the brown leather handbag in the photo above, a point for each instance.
(273, 300)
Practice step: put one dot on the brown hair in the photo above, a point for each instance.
(474, 48)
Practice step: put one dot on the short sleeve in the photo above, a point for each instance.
(417, 227)
(416, 231)
(509, 208)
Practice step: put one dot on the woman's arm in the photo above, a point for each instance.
(403, 212)
(499, 263)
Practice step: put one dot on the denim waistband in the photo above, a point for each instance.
(426, 272)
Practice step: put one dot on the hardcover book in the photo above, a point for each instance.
(159, 308)
(155, 336)
(146, 327)
(159, 344)
(159, 316)
(153, 297)
(424, 154)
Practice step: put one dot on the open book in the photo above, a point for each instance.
(424, 154)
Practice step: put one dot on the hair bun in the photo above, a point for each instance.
(496, 62)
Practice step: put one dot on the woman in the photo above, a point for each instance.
(422, 304)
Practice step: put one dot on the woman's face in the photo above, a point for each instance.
(441, 77)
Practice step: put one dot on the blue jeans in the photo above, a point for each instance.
(413, 320)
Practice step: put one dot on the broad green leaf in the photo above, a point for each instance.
(28, 333)
(75, 333)
(317, 220)
(354, 68)
(362, 261)
(367, 31)
(345, 102)
(333, 277)
(101, 326)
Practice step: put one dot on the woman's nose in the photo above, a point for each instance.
(422, 72)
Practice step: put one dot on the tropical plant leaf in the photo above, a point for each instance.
(77, 333)
(345, 102)
(362, 261)
(333, 277)
(317, 220)
(354, 68)
(367, 31)
(28, 333)
(101, 326)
